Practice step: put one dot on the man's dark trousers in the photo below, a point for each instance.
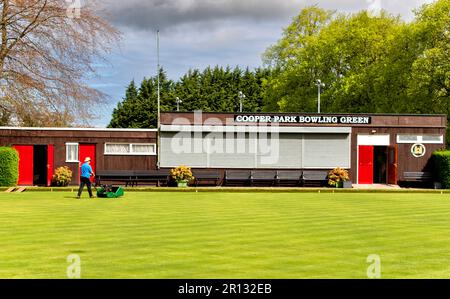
(87, 182)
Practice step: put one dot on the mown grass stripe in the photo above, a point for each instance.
(225, 235)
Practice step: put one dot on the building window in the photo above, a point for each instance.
(137, 149)
(430, 139)
(72, 152)
(117, 149)
(145, 149)
(407, 139)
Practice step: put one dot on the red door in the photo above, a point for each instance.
(26, 171)
(87, 150)
(393, 165)
(50, 164)
(365, 167)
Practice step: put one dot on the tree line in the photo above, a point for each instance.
(369, 63)
(213, 89)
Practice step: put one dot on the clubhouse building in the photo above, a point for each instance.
(375, 148)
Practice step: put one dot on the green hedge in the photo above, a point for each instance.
(9, 166)
(441, 161)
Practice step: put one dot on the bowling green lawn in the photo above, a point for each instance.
(225, 235)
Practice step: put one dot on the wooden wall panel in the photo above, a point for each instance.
(128, 162)
(406, 161)
(60, 138)
(382, 124)
(378, 120)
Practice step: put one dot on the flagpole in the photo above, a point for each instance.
(159, 100)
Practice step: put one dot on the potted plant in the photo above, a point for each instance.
(62, 177)
(337, 177)
(182, 175)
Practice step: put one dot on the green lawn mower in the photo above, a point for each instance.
(109, 191)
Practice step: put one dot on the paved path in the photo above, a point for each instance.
(376, 186)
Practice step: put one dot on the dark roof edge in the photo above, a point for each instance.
(310, 113)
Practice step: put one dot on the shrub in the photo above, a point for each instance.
(181, 173)
(62, 176)
(441, 161)
(9, 166)
(337, 175)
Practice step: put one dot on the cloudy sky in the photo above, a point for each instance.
(198, 33)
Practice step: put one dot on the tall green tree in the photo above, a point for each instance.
(304, 28)
(429, 84)
(370, 63)
(139, 107)
(125, 112)
(215, 89)
(340, 52)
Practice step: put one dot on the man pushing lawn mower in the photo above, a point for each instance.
(85, 179)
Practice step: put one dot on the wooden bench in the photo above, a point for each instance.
(206, 176)
(121, 176)
(266, 177)
(239, 177)
(159, 177)
(288, 177)
(418, 176)
(315, 178)
(419, 180)
(132, 177)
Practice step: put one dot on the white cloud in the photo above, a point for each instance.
(162, 14)
(396, 7)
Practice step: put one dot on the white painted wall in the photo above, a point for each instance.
(375, 140)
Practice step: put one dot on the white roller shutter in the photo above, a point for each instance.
(326, 150)
(182, 149)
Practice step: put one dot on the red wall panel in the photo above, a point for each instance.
(365, 167)
(50, 163)
(393, 165)
(25, 164)
(87, 150)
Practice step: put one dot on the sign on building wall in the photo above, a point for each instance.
(304, 119)
(418, 150)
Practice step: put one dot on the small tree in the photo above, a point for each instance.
(441, 161)
(9, 166)
(62, 177)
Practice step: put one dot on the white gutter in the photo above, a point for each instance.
(77, 129)
(254, 129)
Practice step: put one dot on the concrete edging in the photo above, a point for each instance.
(247, 190)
